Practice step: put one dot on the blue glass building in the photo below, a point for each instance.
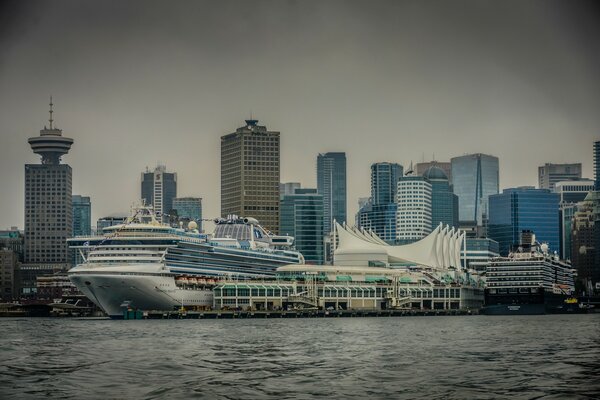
(479, 250)
(515, 210)
(302, 217)
(474, 177)
(82, 215)
(384, 182)
(331, 184)
(381, 219)
(444, 203)
(189, 209)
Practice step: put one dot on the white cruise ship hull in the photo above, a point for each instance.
(141, 286)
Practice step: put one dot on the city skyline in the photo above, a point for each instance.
(174, 109)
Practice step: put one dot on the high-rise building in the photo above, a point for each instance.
(302, 217)
(12, 239)
(573, 191)
(444, 203)
(112, 220)
(585, 254)
(159, 188)
(414, 209)
(384, 182)
(566, 212)
(82, 215)
(288, 188)
(8, 268)
(189, 209)
(380, 218)
(478, 252)
(525, 208)
(550, 174)
(444, 165)
(48, 200)
(250, 175)
(331, 183)
(474, 178)
(597, 165)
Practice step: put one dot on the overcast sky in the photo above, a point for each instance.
(136, 83)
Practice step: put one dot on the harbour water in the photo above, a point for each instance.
(517, 357)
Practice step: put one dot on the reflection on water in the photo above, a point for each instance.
(481, 357)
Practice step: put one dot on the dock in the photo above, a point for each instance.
(231, 314)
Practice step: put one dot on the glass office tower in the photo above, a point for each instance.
(384, 182)
(331, 183)
(82, 215)
(444, 203)
(302, 217)
(515, 210)
(474, 177)
(597, 164)
(381, 219)
(159, 188)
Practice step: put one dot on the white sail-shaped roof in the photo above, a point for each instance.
(440, 249)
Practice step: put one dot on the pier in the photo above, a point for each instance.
(235, 314)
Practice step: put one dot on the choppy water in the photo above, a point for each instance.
(527, 357)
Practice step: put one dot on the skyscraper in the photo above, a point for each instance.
(189, 209)
(48, 200)
(384, 182)
(379, 212)
(597, 164)
(414, 209)
(445, 166)
(288, 188)
(444, 203)
(331, 183)
(550, 174)
(250, 162)
(573, 191)
(302, 217)
(525, 208)
(584, 246)
(82, 215)
(159, 188)
(474, 178)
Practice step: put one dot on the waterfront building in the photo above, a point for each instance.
(474, 178)
(82, 215)
(302, 218)
(525, 208)
(288, 188)
(331, 183)
(573, 191)
(384, 182)
(550, 174)
(584, 250)
(444, 165)
(9, 260)
(379, 218)
(189, 209)
(414, 209)
(444, 203)
(48, 199)
(113, 220)
(159, 188)
(250, 174)
(478, 251)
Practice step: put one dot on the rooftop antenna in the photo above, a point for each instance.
(51, 111)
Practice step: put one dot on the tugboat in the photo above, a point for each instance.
(530, 281)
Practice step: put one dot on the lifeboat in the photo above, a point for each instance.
(192, 281)
(201, 281)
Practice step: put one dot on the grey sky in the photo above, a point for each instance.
(142, 82)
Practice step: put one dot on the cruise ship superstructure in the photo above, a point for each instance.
(151, 266)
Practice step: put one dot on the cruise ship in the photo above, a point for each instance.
(147, 265)
(529, 281)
